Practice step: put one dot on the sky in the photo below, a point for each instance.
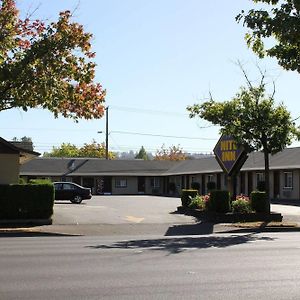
(154, 58)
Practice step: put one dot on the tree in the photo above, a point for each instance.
(95, 150)
(279, 23)
(172, 153)
(65, 150)
(48, 66)
(142, 154)
(87, 150)
(253, 119)
(24, 139)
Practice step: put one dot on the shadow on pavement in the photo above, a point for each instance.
(178, 245)
(190, 229)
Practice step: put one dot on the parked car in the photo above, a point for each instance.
(71, 191)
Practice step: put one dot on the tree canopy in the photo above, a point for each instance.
(279, 23)
(87, 150)
(253, 120)
(171, 153)
(47, 65)
(142, 154)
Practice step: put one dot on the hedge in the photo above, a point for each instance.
(33, 201)
(260, 202)
(219, 201)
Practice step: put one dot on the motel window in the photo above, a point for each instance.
(260, 177)
(155, 182)
(210, 178)
(288, 180)
(121, 183)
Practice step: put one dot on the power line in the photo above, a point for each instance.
(148, 111)
(165, 136)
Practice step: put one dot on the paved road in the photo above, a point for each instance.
(227, 266)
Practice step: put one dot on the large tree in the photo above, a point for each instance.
(87, 150)
(278, 24)
(253, 119)
(48, 66)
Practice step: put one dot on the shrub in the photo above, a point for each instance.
(211, 185)
(198, 202)
(259, 202)
(195, 186)
(186, 197)
(40, 181)
(22, 180)
(26, 201)
(241, 204)
(219, 201)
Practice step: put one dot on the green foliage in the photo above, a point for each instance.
(241, 204)
(278, 22)
(219, 201)
(142, 154)
(40, 181)
(186, 197)
(199, 202)
(22, 180)
(259, 202)
(87, 150)
(253, 120)
(47, 65)
(26, 201)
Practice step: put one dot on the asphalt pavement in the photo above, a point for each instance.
(136, 215)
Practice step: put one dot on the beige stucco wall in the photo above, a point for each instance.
(9, 168)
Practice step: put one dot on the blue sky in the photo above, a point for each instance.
(154, 58)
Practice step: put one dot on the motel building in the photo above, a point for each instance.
(167, 178)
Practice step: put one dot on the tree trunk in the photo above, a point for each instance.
(267, 178)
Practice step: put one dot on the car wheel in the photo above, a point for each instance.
(77, 199)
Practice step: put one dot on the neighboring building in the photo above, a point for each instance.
(11, 157)
(169, 177)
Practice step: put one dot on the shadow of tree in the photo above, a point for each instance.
(178, 245)
(190, 229)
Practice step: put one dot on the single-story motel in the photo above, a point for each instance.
(169, 177)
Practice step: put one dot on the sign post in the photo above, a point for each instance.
(231, 158)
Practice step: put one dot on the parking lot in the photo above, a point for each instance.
(137, 215)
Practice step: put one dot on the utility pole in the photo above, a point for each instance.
(106, 134)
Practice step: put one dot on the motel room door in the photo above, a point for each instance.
(141, 185)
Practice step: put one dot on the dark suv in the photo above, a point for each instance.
(71, 191)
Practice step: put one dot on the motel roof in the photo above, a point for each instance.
(287, 159)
